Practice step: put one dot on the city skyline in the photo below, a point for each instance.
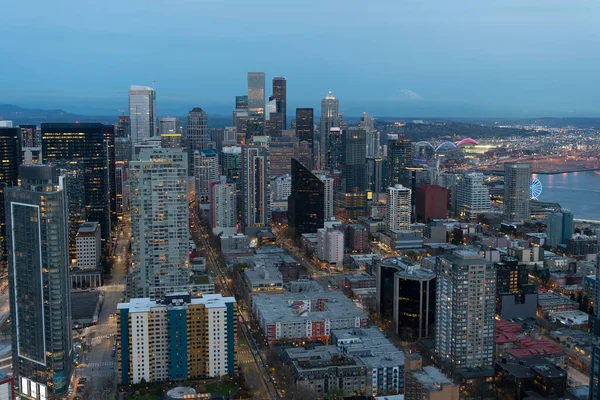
(508, 59)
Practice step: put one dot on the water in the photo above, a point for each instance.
(577, 191)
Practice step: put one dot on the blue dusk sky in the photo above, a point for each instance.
(387, 57)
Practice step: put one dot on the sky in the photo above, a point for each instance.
(462, 58)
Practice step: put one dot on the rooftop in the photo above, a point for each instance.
(431, 378)
(368, 345)
(88, 227)
(144, 304)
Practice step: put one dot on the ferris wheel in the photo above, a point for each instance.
(535, 188)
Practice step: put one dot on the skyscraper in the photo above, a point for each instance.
(560, 228)
(399, 158)
(241, 102)
(39, 284)
(306, 208)
(280, 93)
(197, 133)
(110, 151)
(465, 310)
(159, 222)
(142, 113)
(123, 127)
(255, 187)
(79, 152)
(517, 178)
(354, 178)
(281, 151)
(305, 127)
(330, 118)
(10, 159)
(472, 196)
(256, 94)
(223, 207)
(206, 172)
(335, 150)
(29, 136)
(399, 208)
(230, 164)
(168, 125)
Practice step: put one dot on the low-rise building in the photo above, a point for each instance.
(305, 316)
(238, 243)
(357, 281)
(426, 383)
(533, 376)
(263, 279)
(549, 302)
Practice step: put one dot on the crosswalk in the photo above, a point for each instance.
(102, 364)
(99, 339)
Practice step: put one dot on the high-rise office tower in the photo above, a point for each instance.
(330, 118)
(367, 122)
(517, 178)
(10, 159)
(230, 164)
(354, 178)
(123, 149)
(472, 196)
(29, 136)
(399, 157)
(280, 94)
(271, 108)
(377, 175)
(399, 208)
(197, 133)
(256, 104)
(120, 184)
(179, 338)
(142, 113)
(305, 128)
(123, 127)
(335, 150)
(306, 208)
(241, 102)
(110, 150)
(171, 140)
(223, 207)
(281, 151)
(465, 310)
(255, 187)
(206, 172)
(79, 151)
(305, 154)
(39, 284)
(159, 222)
(373, 143)
(327, 194)
(168, 125)
(560, 228)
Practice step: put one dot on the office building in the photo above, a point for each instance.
(281, 188)
(10, 157)
(426, 383)
(472, 196)
(431, 202)
(306, 209)
(354, 175)
(168, 125)
(330, 118)
(88, 246)
(399, 155)
(330, 247)
(305, 130)
(197, 132)
(223, 208)
(123, 127)
(206, 172)
(256, 95)
(280, 97)
(358, 238)
(582, 245)
(282, 149)
(142, 113)
(334, 152)
(373, 142)
(178, 338)
(29, 136)
(171, 141)
(255, 188)
(110, 150)
(241, 102)
(121, 194)
(406, 296)
(377, 176)
(79, 152)
(159, 222)
(560, 228)
(399, 208)
(517, 180)
(40, 300)
(465, 306)
(123, 149)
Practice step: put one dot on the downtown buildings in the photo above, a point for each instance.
(330, 118)
(10, 159)
(472, 196)
(178, 338)
(142, 113)
(306, 209)
(39, 285)
(399, 208)
(255, 188)
(517, 196)
(197, 132)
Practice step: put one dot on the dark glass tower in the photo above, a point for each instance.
(399, 157)
(354, 178)
(40, 302)
(10, 158)
(305, 125)
(280, 95)
(79, 152)
(241, 102)
(306, 204)
(109, 144)
(28, 135)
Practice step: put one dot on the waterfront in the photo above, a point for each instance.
(577, 191)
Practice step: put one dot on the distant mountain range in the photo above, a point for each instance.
(33, 116)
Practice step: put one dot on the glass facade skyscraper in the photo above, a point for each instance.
(280, 95)
(305, 129)
(306, 208)
(39, 285)
(256, 94)
(80, 153)
(399, 158)
(517, 196)
(255, 187)
(197, 134)
(10, 159)
(142, 113)
(330, 118)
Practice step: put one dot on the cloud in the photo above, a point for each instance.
(406, 95)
